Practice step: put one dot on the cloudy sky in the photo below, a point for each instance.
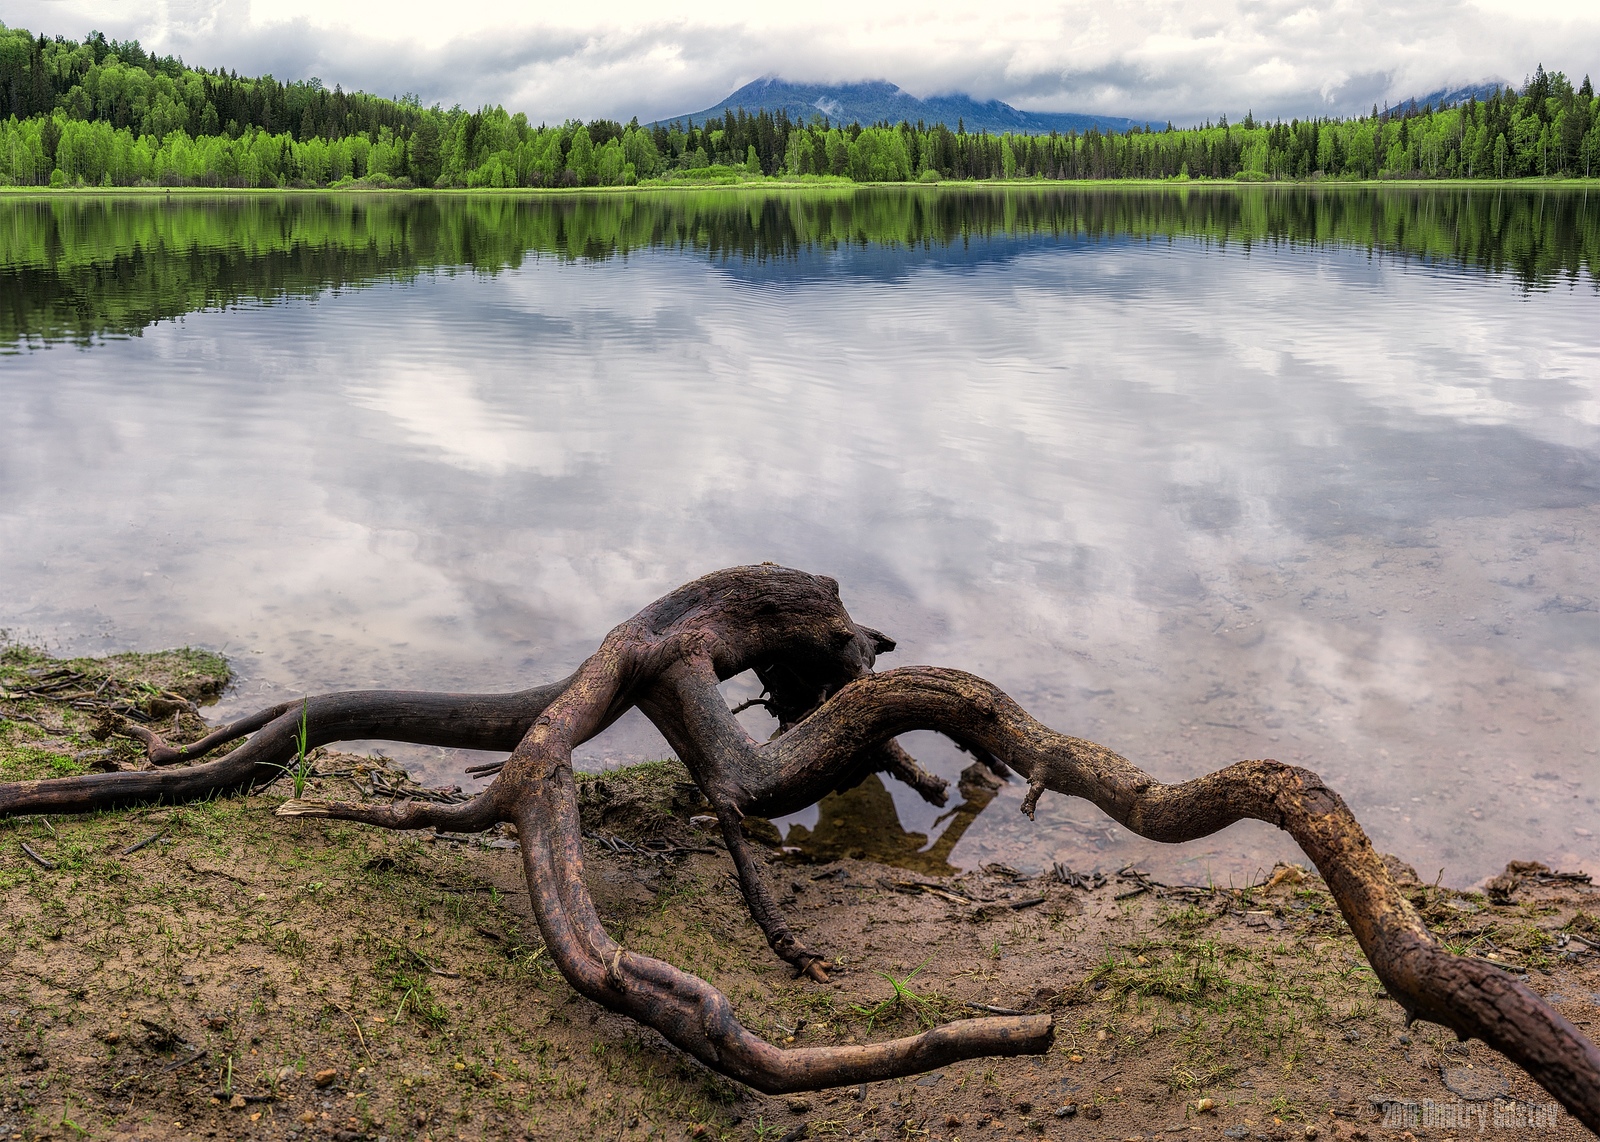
(1183, 59)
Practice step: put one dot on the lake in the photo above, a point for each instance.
(1203, 474)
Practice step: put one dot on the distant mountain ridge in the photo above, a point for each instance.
(1450, 96)
(880, 101)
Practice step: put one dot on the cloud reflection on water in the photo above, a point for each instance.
(1196, 504)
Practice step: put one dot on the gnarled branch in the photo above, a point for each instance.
(837, 724)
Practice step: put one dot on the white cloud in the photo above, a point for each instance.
(1182, 59)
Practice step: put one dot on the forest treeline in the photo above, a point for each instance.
(77, 268)
(107, 113)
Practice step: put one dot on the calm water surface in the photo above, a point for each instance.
(1294, 474)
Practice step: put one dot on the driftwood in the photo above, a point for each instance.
(837, 724)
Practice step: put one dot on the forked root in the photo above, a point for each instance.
(838, 721)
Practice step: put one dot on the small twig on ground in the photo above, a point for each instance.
(197, 1054)
(382, 785)
(10, 717)
(913, 887)
(148, 841)
(1512, 969)
(360, 1038)
(654, 847)
(993, 1010)
(47, 865)
(1085, 880)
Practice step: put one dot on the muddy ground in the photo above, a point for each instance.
(240, 975)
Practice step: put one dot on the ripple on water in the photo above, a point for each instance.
(1197, 501)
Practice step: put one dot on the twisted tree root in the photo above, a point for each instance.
(462, 721)
(837, 723)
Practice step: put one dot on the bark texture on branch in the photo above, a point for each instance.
(462, 721)
(837, 724)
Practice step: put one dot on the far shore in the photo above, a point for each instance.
(813, 184)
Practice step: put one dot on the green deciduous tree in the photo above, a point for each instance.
(580, 157)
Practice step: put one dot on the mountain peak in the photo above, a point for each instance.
(1450, 96)
(878, 100)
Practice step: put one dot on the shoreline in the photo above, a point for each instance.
(210, 968)
(784, 185)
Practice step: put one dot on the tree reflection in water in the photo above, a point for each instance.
(862, 824)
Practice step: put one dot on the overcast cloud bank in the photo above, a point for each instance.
(1180, 59)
